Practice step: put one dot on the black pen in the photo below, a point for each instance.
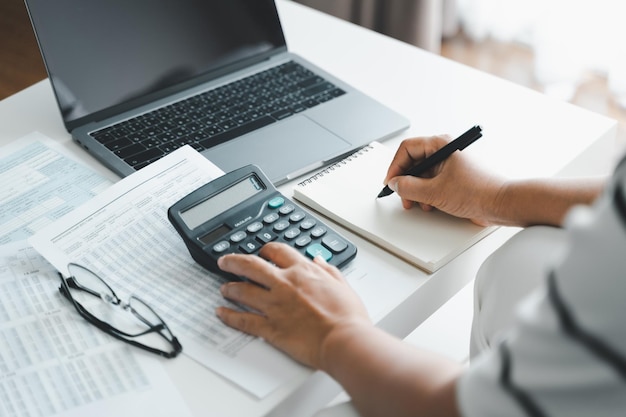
(459, 143)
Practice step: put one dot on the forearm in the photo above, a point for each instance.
(386, 377)
(542, 201)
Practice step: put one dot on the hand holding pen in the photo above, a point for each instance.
(423, 166)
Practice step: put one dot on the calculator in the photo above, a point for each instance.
(241, 211)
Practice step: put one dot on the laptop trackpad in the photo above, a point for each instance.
(280, 149)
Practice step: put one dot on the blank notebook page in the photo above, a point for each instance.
(346, 192)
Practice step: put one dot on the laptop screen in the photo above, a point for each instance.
(103, 53)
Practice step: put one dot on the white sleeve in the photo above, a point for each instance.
(566, 353)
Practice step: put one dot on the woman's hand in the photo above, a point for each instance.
(461, 188)
(456, 186)
(297, 304)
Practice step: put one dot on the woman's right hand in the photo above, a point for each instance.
(456, 186)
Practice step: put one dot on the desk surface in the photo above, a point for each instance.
(525, 134)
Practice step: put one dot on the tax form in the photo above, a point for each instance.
(123, 235)
(52, 364)
(40, 185)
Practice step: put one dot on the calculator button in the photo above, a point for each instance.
(297, 216)
(250, 246)
(238, 236)
(292, 233)
(254, 227)
(302, 241)
(318, 232)
(221, 246)
(266, 237)
(316, 249)
(270, 218)
(286, 209)
(276, 202)
(307, 224)
(281, 225)
(334, 243)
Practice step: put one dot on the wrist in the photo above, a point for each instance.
(501, 209)
(336, 346)
(493, 203)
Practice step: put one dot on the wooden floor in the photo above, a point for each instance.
(21, 64)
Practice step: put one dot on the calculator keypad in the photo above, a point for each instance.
(282, 221)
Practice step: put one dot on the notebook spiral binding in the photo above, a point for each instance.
(336, 165)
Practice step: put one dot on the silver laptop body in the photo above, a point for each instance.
(134, 80)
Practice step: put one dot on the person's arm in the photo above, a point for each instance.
(386, 377)
(460, 187)
(309, 311)
(543, 201)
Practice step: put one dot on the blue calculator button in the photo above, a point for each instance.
(316, 249)
(276, 202)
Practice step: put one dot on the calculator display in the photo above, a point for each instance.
(210, 238)
(221, 202)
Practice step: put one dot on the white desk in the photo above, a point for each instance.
(525, 134)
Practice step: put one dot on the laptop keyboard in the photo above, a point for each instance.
(213, 117)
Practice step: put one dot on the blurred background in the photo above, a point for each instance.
(570, 49)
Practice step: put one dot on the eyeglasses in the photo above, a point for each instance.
(142, 328)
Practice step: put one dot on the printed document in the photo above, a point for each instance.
(123, 235)
(53, 363)
(40, 185)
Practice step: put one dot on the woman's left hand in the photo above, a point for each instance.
(297, 304)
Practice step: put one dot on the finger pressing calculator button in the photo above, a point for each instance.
(292, 233)
(254, 227)
(318, 232)
(238, 236)
(302, 241)
(221, 246)
(266, 237)
(334, 243)
(316, 249)
(276, 202)
(250, 246)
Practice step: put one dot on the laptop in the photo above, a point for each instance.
(135, 80)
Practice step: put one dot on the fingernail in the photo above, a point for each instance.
(224, 289)
(320, 259)
(393, 184)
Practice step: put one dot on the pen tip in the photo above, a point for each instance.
(385, 192)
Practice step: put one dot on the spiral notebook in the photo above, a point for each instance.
(346, 193)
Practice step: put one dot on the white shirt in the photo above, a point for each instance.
(565, 355)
